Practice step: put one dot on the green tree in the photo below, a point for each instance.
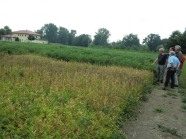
(117, 44)
(39, 31)
(152, 41)
(83, 40)
(71, 38)
(164, 42)
(63, 35)
(183, 41)
(101, 37)
(2, 31)
(31, 37)
(131, 40)
(6, 30)
(50, 32)
(174, 39)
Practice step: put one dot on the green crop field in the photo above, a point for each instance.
(100, 56)
(48, 91)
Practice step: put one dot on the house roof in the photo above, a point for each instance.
(25, 32)
(7, 36)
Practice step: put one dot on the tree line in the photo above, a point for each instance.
(62, 35)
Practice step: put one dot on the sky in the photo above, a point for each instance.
(120, 17)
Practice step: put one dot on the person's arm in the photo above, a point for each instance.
(155, 61)
(172, 66)
(166, 63)
(178, 65)
(170, 60)
(165, 66)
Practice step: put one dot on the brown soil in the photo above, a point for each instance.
(161, 117)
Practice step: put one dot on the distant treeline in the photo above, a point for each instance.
(62, 35)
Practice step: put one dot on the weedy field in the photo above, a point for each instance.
(183, 76)
(182, 91)
(99, 56)
(45, 98)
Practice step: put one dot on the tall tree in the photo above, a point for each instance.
(50, 32)
(83, 40)
(131, 40)
(72, 35)
(174, 39)
(39, 31)
(63, 35)
(164, 42)
(183, 42)
(2, 31)
(152, 41)
(6, 30)
(101, 37)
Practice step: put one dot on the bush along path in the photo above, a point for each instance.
(162, 116)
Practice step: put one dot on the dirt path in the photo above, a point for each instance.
(161, 117)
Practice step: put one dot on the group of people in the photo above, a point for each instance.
(170, 66)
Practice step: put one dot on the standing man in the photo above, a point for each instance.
(173, 64)
(181, 58)
(162, 57)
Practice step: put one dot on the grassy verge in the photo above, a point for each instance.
(183, 77)
(182, 89)
(44, 98)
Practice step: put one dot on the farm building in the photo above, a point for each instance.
(7, 38)
(22, 36)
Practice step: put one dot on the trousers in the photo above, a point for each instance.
(170, 75)
(160, 72)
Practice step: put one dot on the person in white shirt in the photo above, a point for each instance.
(173, 64)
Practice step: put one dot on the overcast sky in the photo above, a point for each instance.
(120, 17)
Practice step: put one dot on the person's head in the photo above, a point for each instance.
(171, 53)
(171, 49)
(177, 48)
(161, 50)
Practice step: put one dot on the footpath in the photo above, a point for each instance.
(162, 116)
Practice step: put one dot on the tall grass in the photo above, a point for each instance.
(99, 56)
(183, 77)
(182, 89)
(44, 98)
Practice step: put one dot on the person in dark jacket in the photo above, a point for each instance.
(161, 60)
